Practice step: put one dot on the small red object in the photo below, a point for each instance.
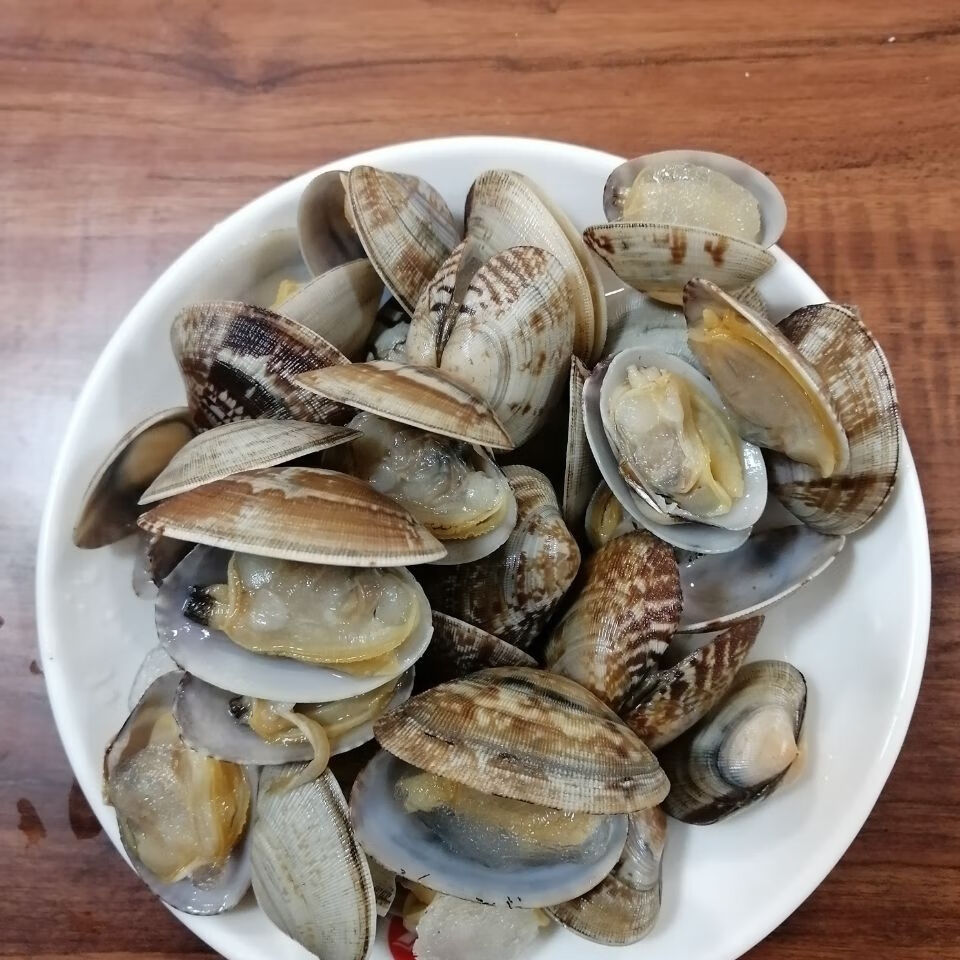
(400, 940)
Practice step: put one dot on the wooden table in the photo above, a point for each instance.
(130, 126)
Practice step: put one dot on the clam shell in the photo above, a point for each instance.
(415, 849)
(624, 906)
(156, 559)
(611, 640)
(513, 592)
(419, 396)
(580, 474)
(239, 362)
(110, 504)
(310, 876)
(606, 519)
(202, 712)
(405, 227)
(528, 735)
(459, 648)
(773, 208)
(504, 209)
(659, 258)
(384, 886)
(296, 513)
(638, 320)
(239, 446)
(857, 375)
(772, 564)
(326, 237)
(682, 694)
(510, 339)
(717, 768)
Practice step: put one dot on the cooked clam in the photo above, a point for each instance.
(606, 519)
(580, 473)
(327, 238)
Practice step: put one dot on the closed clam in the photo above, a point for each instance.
(834, 339)
(513, 592)
(509, 338)
(612, 637)
(238, 362)
(740, 751)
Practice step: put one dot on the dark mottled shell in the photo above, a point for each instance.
(239, 362)
(858, 378)
(682, 694)
(611, 639)
(526, 734)
(513, 592)
(624, 906)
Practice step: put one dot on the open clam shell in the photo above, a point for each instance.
(740, 751)
(580, 475)
(504, 209)
(211, 656)
(442, 856)
(682, 694)
(624, 906)
(611, 640)
(659, 258)
(422, 397)
(605, 518)
(528, 735)
(208, 724)
(405, 227)
(310, 876)
(773, 208)
(110, 505)
(772, 564)
(327, 239)
(296, 513)
(239, 362)
(207, 891)
(858, 378)
(510, 338)
(236, 447)
(513, 592)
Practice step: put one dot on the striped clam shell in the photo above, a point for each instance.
(580, 475)
(611, 639)
(528, 735)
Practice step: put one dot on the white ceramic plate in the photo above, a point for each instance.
(858, 633)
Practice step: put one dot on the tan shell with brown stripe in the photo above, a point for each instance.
(529, 735)
(688, 691)
(297, 513)
(612, 637)
(580, 474)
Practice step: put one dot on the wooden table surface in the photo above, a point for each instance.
(130, 126)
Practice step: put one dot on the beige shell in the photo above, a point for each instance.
(624, 906)
(857, 375)
(580, 475)
(296, 513)
(513, 592)
(611, 639)
(458, 648)
(110, 505)
(659, 259)
(238, 362)
(327, 239)
(510, 339)
(243, 445)
(504, 209)
(606, 519)
(340, 305)
(422, 397)
(529, 735)
(405, 227)
(684, 693)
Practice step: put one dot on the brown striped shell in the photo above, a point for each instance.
(528, 735)
(239, 446)
(611, 639)
(857, 375)
(405, 227)
(513, 592)
(624, 906)
(296, 513)
(239, 362)
(682, 694)
(422, 397)
(580, 475)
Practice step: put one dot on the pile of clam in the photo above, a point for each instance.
(423, 533)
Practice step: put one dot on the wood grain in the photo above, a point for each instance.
(130, 126)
